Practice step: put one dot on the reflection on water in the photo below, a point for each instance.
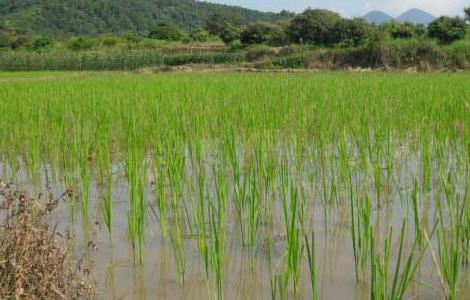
(248, 269)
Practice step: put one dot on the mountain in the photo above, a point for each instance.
(377, 17)
(89, 17)
(415, 16)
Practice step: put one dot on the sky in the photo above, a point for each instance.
(354, 8)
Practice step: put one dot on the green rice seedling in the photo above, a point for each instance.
(310, 246)
(407, 265)
(175, 171)
(448, 240)
(159, 174)
(217, 217)
(234, 167)
(106, 204)
(136, 177)
(85, 192)
(416, 212)
(294, 247)
(361, 210)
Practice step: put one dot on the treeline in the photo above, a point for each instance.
(61, 18)
(314, 38)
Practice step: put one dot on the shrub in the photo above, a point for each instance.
(259, 52)
(314, 26)
(447, 29)
(230, 33)
(18, 42)
(4, 40)
(80, 43)
(199, 35)
(34, 262)
(263, 33)
(166, 31)
(132, 37)
(109, 41)
(39, 42)
(352, 32)
(401, 31)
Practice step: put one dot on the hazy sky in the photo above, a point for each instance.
(356, 7)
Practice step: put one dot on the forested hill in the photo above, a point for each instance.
(88, 17)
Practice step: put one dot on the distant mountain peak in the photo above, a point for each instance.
(378, 17)
(416, 16)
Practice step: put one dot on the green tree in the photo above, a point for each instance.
(447, 29)
(352, 31)
(314, 26)
(467, 13)
(166, 31)
(4, 39)
(80, 43)
(400, 30)
(199, 35)
(38, 42)
(263, 33)
(229, 33)
(215, 24)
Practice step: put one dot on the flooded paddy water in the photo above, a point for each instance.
(311, 186)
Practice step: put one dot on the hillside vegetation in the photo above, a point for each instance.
(94, 38)
(89, 17)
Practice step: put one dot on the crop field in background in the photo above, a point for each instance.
(252, 186)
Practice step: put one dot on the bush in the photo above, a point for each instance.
(459, 53)
(447, 29)
(132, 37)
(400, 31)
(18, 42)
(39, 42)
(263, 33)
(314, 26)
(109, 41)
(34, 262)
(352, 32)
(230, 33)
(199, 35)
(80, 43)
(4, 40)
(259, 52)
(166, 31)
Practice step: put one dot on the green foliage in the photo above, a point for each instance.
(109, 41)
(352, 32)
(92, 17)
(263, 33)
(199, 35)
(166, 31)
(314, 26)
(467, 13)
(403, 30)
(109, 60)
(4, 40)
(80, 43)
(447, 29)
(18, 41)
(230, 33)
(39, 42)
(259, 52)
(132, 37)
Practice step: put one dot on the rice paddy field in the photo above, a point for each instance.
(251, 186)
